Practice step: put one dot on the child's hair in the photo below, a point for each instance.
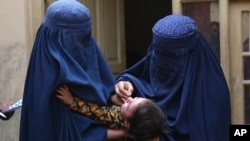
(147, 121)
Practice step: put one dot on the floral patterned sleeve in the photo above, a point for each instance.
(109, 116)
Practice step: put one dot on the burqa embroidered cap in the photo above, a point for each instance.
(174, 31)
(68, 14)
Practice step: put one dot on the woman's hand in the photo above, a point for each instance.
(116, 100)
(65, 95)
(124, 89)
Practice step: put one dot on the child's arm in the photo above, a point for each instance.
(109, 116)
(117, 134)
(155, 139)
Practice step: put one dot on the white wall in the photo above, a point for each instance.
(13, 64)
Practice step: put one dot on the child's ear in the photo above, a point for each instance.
(126, 124)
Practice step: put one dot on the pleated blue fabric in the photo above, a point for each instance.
(64, 52)
(182, 75)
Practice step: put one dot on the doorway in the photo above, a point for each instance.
(140, 17)
(239, 28)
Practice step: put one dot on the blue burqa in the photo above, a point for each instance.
(64, 53)
(182, 75)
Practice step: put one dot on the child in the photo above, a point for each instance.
(141, 117)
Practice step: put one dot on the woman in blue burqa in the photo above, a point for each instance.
(182, 75)
(64, 52)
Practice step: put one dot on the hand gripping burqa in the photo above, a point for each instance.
(64, 52)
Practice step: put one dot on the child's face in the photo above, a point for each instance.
(129, 106)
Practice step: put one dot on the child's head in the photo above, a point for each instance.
(144, 119)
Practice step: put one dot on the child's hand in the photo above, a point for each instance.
(65, 95)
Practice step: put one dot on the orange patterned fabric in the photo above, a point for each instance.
(108, 115)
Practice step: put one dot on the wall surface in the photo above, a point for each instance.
(13, 64)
